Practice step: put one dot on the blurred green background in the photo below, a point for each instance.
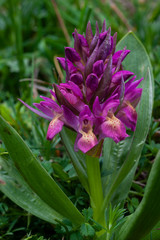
(32, 34)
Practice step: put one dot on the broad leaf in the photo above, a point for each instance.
(36, 176)
(147, 215)
(154, 234)
(18, 191)
(138, 62)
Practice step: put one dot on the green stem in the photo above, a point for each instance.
(95, 188)
(108, 236)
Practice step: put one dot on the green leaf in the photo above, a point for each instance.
(138, 62)
(154, 234)
(18, 191)
(147, 215)
(36, 176)
(88, 213)
(114, 155)
(58, 169)
(78, 158)
(76, 236)
(87, 230)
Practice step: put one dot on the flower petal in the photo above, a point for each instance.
(70, 118)
(44, 109)
(92, 81)
(77, 78)
(98, 67)
(95, 39)
(52, 105)
(97, 107)
(113, 128)
(72, 55)
(85, 111)
(89, 34)
(55, 127)
(36, 111)
(128, 115)
(71, 67)
(117, 55)
(116, 78)
(86, 141)
(131, 84)
(134, 96)
(47, 99)
(76, 90)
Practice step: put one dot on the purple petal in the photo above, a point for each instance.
(47, 99)
(97, 110)
(106, 47)
(72, 55)
(117, 55)
(90, 61)
(85, 112)
(134, 96)
(105, 82)
(131, 85)
(77, 44)
(80, 44)
(128, 116)
(62, 100)
(71, 67)
(72, 94)
(86, 141)
(76, 149)
(53, 105)
(98, 67)
(89, 94)
(69, 89)
(70, 119)
(76, 90)
(109, 105)
(80, 67)
(83, 41)
(113, 128)
(95, 39)
(53, 94)
(70, 97)
(44, 109)
(77, 78)
(92, 81)
(55, 127)
(116, 78)
(102, 36)
(89, 34)
(36, 111)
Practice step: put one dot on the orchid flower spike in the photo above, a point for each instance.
(99, 98)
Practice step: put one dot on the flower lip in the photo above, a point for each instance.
(113, 128)
(86, 141)
(55, 127)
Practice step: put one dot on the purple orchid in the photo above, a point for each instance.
(99, 97)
